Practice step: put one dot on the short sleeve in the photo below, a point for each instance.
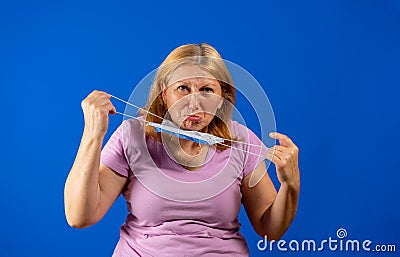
(113, 154)
(255, 151)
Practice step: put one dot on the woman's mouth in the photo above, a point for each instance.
(193, 118)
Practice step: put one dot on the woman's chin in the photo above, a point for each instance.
(192, 125)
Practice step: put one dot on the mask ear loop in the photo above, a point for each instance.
(185, 134)
(128, 103)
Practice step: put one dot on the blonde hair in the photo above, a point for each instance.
(208, 59)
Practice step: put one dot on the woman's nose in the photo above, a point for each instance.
(193, 99)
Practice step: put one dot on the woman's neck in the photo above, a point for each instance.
(188, 146)
(187, 153)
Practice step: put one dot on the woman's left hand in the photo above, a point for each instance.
(285, 157)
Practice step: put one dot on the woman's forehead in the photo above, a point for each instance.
(191, 73)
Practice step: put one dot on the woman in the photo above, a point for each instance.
(194, 91)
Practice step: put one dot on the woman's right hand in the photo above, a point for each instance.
(96, 107)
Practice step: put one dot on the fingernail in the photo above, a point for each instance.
(272, 134)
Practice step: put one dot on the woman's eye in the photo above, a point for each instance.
(183, 88)
(207, 90)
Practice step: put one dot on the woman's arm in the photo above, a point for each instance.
(91, 188)
(277, 219)
(272, 213)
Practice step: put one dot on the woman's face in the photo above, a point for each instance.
(192, 96)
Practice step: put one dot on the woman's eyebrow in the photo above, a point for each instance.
(188, 81)
(213, 85)
(178, 83)
(182, 81)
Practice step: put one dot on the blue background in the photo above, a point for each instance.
(329, 68)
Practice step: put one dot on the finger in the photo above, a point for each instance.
(285, 154)
(96, 94)
(274, 159)
(283, 149)
(283, 139)
(111, 108)
(290, 150)
(281, 160)
(102, 96)
(279, 148)
(282, 152)
(281, 155)
(100, 102)
(107, 104)
(271, 151)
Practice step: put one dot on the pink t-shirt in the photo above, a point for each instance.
(174, 211)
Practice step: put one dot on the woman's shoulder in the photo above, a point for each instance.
(133, 123)
(244, 134)
(131, 130)
(239, 130)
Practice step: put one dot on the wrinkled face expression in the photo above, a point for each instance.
(192, 97)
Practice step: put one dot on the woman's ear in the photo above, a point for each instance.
(163, 89)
